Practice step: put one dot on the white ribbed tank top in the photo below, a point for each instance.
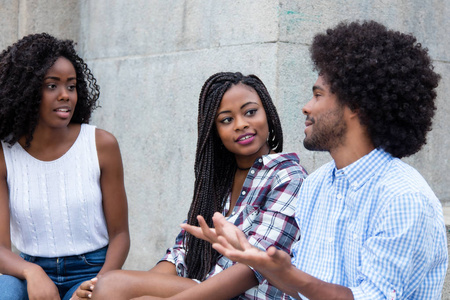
(56, 206)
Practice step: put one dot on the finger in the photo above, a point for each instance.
(209, 233)
(224, 247)
(243, 242)
(194, 230)
(88, 284)
(93, 282)
(221, 245)
(227, 250)
(219, 223)
(83, 294)
(279, 256)
(272, 251)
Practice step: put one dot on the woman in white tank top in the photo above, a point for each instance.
(62, 195)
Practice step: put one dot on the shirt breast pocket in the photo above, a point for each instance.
(249, 217)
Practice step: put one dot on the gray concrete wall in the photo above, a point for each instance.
(151, 58)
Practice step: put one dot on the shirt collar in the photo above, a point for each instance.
(364, 168)
(272, 160)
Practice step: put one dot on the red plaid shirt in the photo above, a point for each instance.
(264, 211)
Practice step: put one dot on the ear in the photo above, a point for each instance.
(353, 113)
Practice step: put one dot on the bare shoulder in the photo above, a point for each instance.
(105, 140)
(107, 149)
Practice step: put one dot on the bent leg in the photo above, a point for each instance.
(12, 288)
(122, 284)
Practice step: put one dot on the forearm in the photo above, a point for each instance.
(225, 285)
(118, 248)
(293, 281)
(12, 264)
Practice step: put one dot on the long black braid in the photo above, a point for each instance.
(215, 166)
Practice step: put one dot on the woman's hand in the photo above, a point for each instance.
(85, 289)
(222, 228)
(40, 286)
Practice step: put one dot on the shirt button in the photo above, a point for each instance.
(339, 196)
(252, 171)
(355, 236)
(330, 240)
(243, 193)
(260, 160)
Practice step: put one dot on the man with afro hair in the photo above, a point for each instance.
(371, 227)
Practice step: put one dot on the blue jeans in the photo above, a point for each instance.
(66, 272)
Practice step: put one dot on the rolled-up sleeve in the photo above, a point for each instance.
(273, 223)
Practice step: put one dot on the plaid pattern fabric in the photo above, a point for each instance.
(374, 226)
(264, 211)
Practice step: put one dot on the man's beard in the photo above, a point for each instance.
(327, 132)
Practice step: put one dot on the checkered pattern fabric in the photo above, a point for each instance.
(264, 211)
(374, 226)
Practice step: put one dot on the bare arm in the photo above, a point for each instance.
(161, 282)
(225, 285)
(114, 200)
(39, 284)
(115, 206)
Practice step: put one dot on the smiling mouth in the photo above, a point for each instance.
(62, 109)
(245, 138)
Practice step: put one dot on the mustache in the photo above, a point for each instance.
(311, 119)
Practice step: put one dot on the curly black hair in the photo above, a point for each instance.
(215, 166)
(23, 66)
(384, 75)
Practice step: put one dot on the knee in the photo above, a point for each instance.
(12, 288)
(108, 286)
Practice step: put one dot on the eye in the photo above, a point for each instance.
(251, 112)
(51, 86)
(226, 120)
(72, 87)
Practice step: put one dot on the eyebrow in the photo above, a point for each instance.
(58, 79)
(317, 87)
(244, 105)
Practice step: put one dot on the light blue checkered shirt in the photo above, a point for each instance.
(374, 226)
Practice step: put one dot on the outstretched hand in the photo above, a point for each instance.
(231, 242)
(222, 228)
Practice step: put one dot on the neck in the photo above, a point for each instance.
(354, 147)
(244, 163)
(357, 143)
(348, 155)
(48, 136)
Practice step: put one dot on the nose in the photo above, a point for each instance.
(240, 124)
(306, 110)
(63, 95)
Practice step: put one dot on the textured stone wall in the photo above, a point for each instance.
(151, 58)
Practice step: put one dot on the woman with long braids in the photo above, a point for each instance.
(240, 172)
(62, 195)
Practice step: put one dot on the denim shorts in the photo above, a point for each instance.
(66, 272)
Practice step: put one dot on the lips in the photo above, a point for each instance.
(63, 112)
(246, 138)
(309, 121)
